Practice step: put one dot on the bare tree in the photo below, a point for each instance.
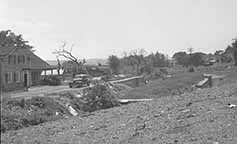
(59, 65)
(64, 52)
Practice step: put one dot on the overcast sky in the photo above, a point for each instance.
(99, 28)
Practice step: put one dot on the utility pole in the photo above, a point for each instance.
(1, 80)
(1, 95)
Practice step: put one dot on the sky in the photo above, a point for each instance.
(99, 28)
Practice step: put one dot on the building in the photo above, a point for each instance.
(20, 67)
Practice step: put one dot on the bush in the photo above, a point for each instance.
(191, 69)
(17, 114)
(101, 96)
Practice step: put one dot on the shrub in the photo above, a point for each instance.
(191, 69)
(101, 96)
(16, 114)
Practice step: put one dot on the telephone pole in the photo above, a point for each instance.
(1, 80)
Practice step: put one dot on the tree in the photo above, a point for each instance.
(114, 64)
(64, 52)
(234, 46)
(185, 59)
(228, 54)
(8, 38)
(219, 55)
(58, 65)
(196, 59)
(181, 58)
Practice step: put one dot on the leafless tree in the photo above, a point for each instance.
(64, 52)
(59, 65)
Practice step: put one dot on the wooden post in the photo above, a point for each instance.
(44, 74)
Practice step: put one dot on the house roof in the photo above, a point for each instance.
(36, 62)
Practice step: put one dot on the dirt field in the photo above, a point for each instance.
(202, 116)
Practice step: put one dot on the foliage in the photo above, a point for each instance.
(234, 46)
(196, 59)
(9, 38)
(141, 63)
(181, 58)
(114, 63)
(16, 114)
(101, 96)
(230, 53)
(192, 59)
(191, 69)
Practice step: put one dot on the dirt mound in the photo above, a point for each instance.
(203, 116)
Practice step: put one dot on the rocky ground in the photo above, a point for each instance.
(206, 116)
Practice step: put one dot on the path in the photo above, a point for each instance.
(44, 90)
(39, 91)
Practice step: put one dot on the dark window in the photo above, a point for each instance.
(14, 59)
(21, 59)
(6, 77)
(14, 77)
(10, 59)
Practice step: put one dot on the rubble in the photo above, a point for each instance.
(232, 105)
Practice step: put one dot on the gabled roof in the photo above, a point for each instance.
(36, 62)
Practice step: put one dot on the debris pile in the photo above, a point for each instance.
(101, 96)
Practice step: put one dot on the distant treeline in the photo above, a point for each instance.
(199, 58)
(138, 62)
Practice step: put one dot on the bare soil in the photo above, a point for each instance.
(202, 116)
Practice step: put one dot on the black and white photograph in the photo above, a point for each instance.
(118, 71)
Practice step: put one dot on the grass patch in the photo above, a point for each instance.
(177, 84)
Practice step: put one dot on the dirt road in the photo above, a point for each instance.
(47, 90)
(39, 91)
